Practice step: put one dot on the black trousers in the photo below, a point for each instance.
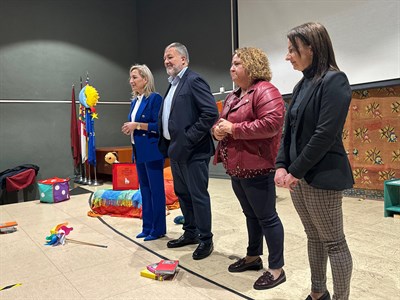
(191, 187)
(257, 196)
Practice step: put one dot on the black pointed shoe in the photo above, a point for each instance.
(182, 241)
(241, 265)
(203, 250)
(267, 281)
(325, 296)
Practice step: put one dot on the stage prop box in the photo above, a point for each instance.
(126, 203)
(124, 177)
(54, 190)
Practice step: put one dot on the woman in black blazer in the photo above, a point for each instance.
(312, 162)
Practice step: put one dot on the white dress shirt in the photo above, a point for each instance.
(174, 81)
(134, 111)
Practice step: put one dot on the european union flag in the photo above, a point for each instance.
(91, 137)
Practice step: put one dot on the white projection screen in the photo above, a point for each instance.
(365, 35)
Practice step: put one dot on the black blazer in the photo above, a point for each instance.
(321, 158)
(193, 113)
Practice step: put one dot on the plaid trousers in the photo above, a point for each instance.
(320, 212)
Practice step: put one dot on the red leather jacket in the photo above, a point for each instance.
(257, 128)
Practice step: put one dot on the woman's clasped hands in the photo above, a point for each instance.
(285, 179)
(222, 128)
(128, 127)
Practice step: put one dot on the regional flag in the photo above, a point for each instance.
(82, 131)
(74, 132)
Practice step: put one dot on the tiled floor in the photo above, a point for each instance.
(75, 271)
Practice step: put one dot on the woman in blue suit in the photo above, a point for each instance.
(143, 129)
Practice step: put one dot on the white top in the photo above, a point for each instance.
(174, 81)
(134, 111)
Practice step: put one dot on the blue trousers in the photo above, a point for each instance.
(151, 180)
(257, 197)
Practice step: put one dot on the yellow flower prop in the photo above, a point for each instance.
(92, 96)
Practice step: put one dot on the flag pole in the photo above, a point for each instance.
(95, 182)
(82, 111)
(78, 166)
(88, 176)
(90, 179)
(91, 141)
(74, 135)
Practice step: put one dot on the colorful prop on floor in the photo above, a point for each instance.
(127, 203)
(8, 227)
(179, 220)
(54, 190)
(58, 236)
(171, 198)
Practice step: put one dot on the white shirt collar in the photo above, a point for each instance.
(175, 80)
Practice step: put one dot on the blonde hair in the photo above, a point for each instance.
(145, 72)
(255, 62)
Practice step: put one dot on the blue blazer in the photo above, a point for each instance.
(193, 113)
(321, 158)
(146, 140)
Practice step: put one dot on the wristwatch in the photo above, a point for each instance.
(138, 126)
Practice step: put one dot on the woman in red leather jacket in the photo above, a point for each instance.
(249, 131)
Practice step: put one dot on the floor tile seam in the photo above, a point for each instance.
(74, 287)
(37, 244)
(374, 256)
(163, 257)
(109, 226)
(97, 265)
(38, 280)
(46, 252)
(120, 243)
(43, 277)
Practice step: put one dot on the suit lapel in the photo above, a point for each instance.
(163, 100)
(306, 99)
(141, 108)
(133, 103)
(241, 102)
(179, 87)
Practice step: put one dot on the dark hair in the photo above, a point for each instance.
(315, 35)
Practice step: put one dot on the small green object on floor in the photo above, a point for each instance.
(179, 220)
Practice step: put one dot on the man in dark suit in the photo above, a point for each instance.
(186, 116)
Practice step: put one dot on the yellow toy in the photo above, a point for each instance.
(111, 158)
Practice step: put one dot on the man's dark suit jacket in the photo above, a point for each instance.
(193, 113)
(321, 158)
